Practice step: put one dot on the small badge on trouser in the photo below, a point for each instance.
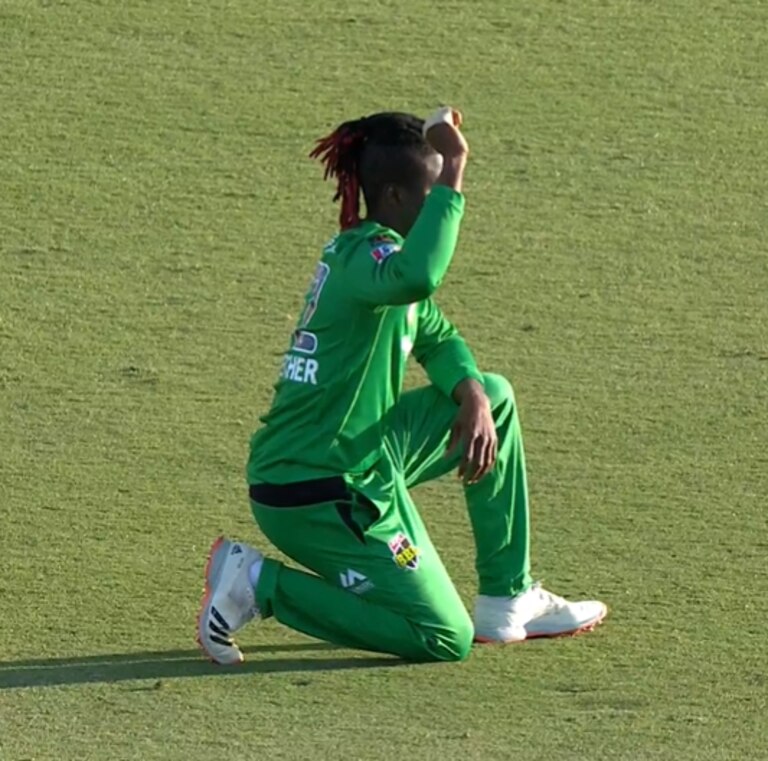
(404, 553)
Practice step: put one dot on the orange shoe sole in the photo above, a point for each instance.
(581, 630)
(206, 598)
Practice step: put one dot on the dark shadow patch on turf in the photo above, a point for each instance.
(174, 664)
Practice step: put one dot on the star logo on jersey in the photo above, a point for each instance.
(404, 553)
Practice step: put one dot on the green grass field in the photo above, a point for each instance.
(159, 222)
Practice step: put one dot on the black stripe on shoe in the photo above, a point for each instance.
(217, 629)
(220, 640)
(222, 622)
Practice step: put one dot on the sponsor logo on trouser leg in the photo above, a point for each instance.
(404, 552)
(355, 581)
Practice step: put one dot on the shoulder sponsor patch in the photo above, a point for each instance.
(383, 247)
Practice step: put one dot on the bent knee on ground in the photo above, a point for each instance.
(499, 390)
(448, 641)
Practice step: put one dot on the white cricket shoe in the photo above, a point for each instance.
(228, 601)
(534, 613)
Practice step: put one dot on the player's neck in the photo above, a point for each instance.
(388, 220)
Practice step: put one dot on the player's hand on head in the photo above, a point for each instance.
(443, 133)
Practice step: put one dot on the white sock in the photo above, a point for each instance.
(254, 572)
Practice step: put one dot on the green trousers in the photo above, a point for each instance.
(377, 582)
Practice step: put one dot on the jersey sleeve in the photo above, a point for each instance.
(391, 272)
(441, 351)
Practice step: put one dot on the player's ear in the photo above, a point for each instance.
(392, 195)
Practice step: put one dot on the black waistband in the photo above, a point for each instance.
(300, 493)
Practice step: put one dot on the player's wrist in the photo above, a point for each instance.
(452, 173)
(455, 163)
(470, 391)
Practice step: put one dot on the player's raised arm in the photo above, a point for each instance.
(410, 174)
(442, 131)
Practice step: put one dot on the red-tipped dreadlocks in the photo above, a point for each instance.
(340, 153)
(367, 154)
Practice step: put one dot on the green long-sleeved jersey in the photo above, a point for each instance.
(368, 308)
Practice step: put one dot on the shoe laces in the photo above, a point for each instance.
(551, 600)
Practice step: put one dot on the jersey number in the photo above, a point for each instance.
(315, 289)
(305, 341)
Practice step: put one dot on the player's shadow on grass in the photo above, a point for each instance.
(174, 664)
